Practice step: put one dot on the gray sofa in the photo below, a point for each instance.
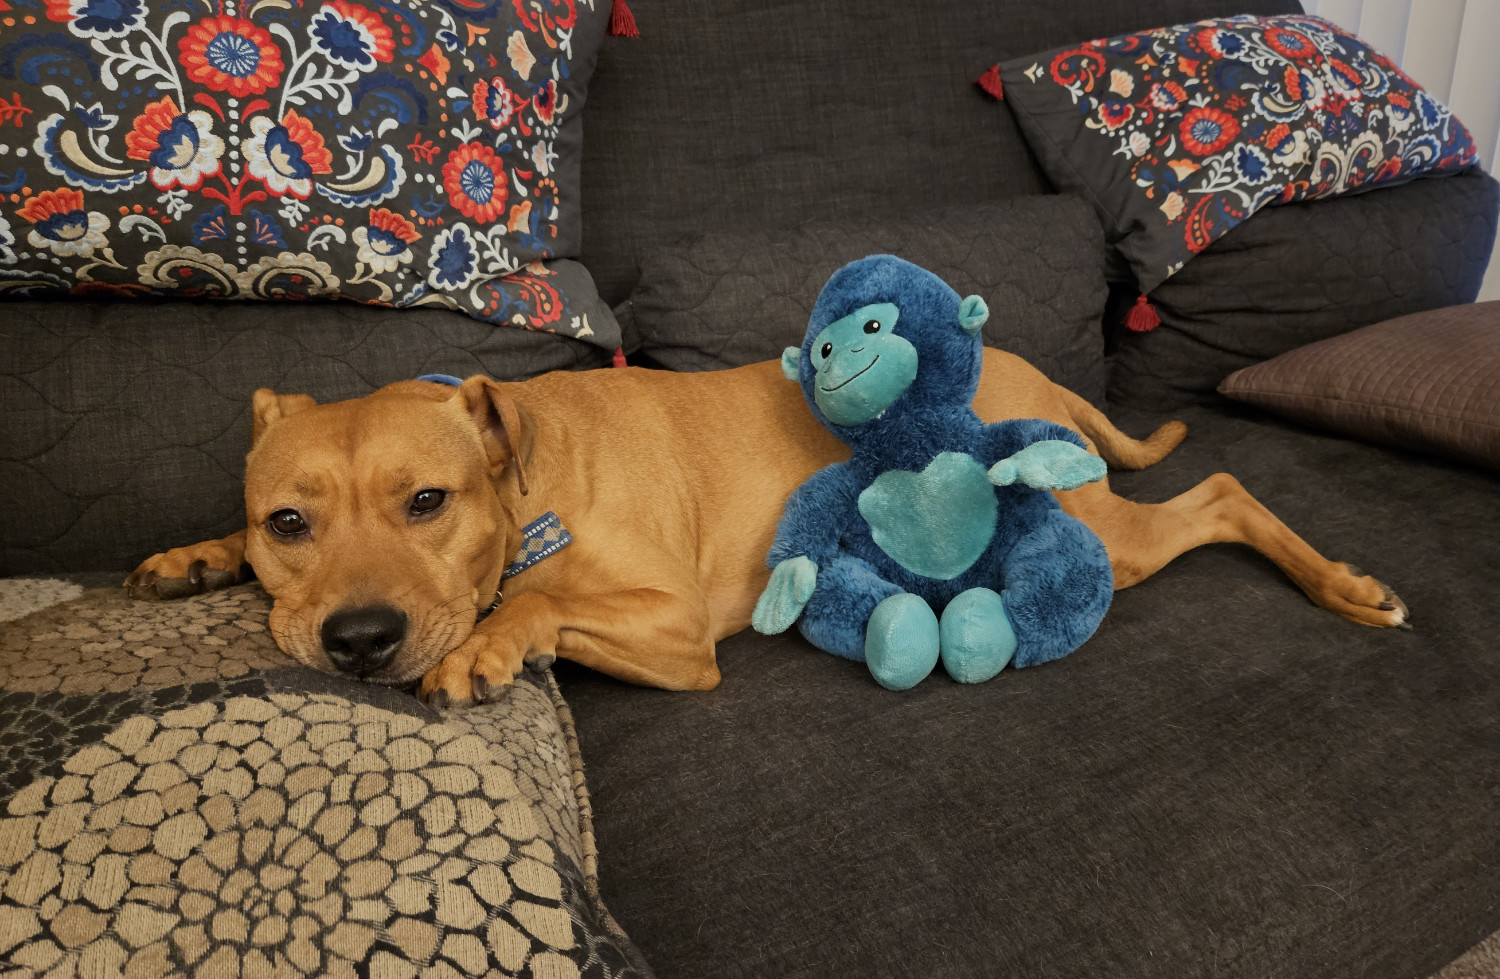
(1225, 781)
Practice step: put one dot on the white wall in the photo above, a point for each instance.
(1450, 48)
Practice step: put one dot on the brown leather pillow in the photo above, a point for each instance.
(1429, 381)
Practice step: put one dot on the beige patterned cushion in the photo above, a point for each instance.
(179, 799)
(1429, 381)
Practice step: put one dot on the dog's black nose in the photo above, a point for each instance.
(362, 640)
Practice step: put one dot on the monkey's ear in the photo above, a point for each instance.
(972, 313)
(791, 359)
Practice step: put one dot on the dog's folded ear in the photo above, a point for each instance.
(499, 424)
(270, 407)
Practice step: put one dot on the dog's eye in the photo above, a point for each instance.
(872, 327)
(427, 501)
(827, 351)
(286, 523)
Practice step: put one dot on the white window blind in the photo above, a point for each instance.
(1448, 46)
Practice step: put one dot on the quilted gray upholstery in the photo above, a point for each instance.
(1429, 381)
(725, 299)
(125, 426)
(1305, 272)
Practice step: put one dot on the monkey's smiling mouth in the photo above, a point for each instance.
(861, 371)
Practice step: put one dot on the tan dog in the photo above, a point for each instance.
(381, 526)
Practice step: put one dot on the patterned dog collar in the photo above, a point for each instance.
(541, 539)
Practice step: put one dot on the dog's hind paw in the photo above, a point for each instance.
(192, 570)
(1365, 600)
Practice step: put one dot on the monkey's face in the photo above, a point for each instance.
(861, 366)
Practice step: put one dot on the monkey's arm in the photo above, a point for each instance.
(807, 537)
(1039, 454)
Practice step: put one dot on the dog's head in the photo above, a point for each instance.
(381, 526)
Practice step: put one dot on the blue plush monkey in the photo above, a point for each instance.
(935, 511)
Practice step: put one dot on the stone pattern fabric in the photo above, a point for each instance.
(178, 799)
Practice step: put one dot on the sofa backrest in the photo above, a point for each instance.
(735, 114)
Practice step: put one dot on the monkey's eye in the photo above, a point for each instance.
(872, 327)
(427, 500)
(286, 523)
(827, 351)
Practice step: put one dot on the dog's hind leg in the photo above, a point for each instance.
(651, 636)
(1142, 538)
(190, 570)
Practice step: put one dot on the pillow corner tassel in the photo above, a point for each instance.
(990, 83)
(1142, 317)
(621, 20)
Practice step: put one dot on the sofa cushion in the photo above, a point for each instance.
(126, 425)
(725, 299)
(177, 795)
(420, 154)
(1178, 134)
(744, 115)
(1224, 780)
(1429, 381)
(1305, 272)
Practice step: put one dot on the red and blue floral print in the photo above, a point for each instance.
(1179, 134)
(397, 152)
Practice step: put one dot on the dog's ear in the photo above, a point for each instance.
(499, 424)
(270, 408)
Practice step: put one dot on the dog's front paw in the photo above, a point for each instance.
(185, 571)
(482, 670)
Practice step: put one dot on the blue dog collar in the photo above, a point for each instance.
(541, 539)
(447, 379)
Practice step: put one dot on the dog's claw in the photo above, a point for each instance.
(180, 572)
(481, 688)
(215, 578)
(170, 588)
(438, 699)
(1386, 607)
(141, 585)
(542, 661)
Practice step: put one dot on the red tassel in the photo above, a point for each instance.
(622, 21)
(1142, 317)
(619, 359)
(990, 82)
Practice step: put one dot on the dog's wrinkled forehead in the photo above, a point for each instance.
(402, 425)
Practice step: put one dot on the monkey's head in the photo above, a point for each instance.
(886, 337)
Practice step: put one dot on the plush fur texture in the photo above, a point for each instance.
(1050, 570)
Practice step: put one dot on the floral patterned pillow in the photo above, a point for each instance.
(1179, 134)
(394, 152)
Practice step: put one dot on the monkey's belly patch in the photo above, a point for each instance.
(935, 523)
